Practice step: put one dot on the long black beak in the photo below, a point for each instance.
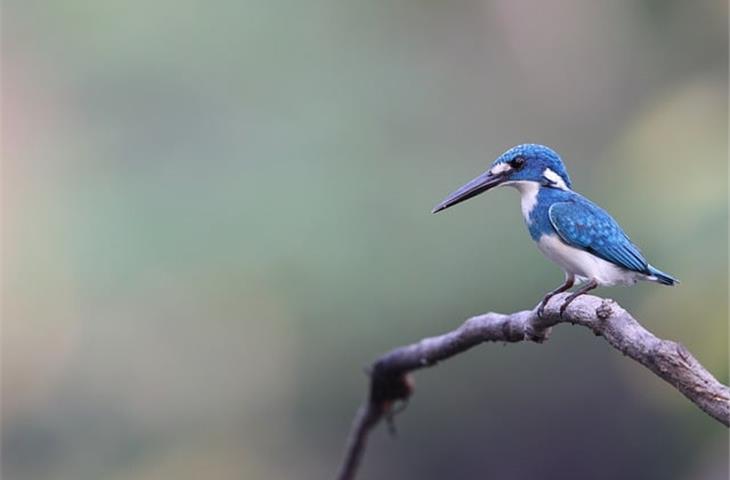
(479, 185)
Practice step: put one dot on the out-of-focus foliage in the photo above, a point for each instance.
(215, 213)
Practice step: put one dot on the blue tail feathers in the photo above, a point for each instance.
(662, 277)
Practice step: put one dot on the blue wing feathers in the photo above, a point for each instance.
(584, 225)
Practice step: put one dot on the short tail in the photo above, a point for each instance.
(661, 277)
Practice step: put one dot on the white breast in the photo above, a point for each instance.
(585, 265)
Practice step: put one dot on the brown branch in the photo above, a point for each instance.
(390, 383)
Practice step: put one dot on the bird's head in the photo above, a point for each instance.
(524, 163)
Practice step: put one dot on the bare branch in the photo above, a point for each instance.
(390, 383)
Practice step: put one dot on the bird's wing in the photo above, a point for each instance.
(585, 225)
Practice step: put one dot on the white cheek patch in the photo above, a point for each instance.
(500, 168)
(556, 179)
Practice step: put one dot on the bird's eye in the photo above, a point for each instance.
(517, 163)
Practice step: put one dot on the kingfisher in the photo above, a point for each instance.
(570, 230)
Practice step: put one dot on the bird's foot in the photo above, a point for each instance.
(582, 291)
(567, 302)
(543, 304)
(564, 306)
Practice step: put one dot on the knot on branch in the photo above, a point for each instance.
(514, 333)
(604, 310)
(535, 333)
(388, 387)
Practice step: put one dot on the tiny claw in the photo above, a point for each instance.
(390, 421)
(563, 307)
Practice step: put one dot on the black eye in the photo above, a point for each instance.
(517, 163)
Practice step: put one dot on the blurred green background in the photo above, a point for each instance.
(215, 214)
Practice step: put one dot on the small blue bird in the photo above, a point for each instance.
(575, 233)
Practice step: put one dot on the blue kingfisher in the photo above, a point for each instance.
(575, 233)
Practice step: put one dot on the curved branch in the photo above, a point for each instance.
(390, 383)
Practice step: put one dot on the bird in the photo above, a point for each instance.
(568, 228)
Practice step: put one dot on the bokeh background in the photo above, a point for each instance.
(215, 214)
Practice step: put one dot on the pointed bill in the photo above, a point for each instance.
(481, 184)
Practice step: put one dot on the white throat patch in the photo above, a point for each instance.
(556, 179)
(528, 196)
